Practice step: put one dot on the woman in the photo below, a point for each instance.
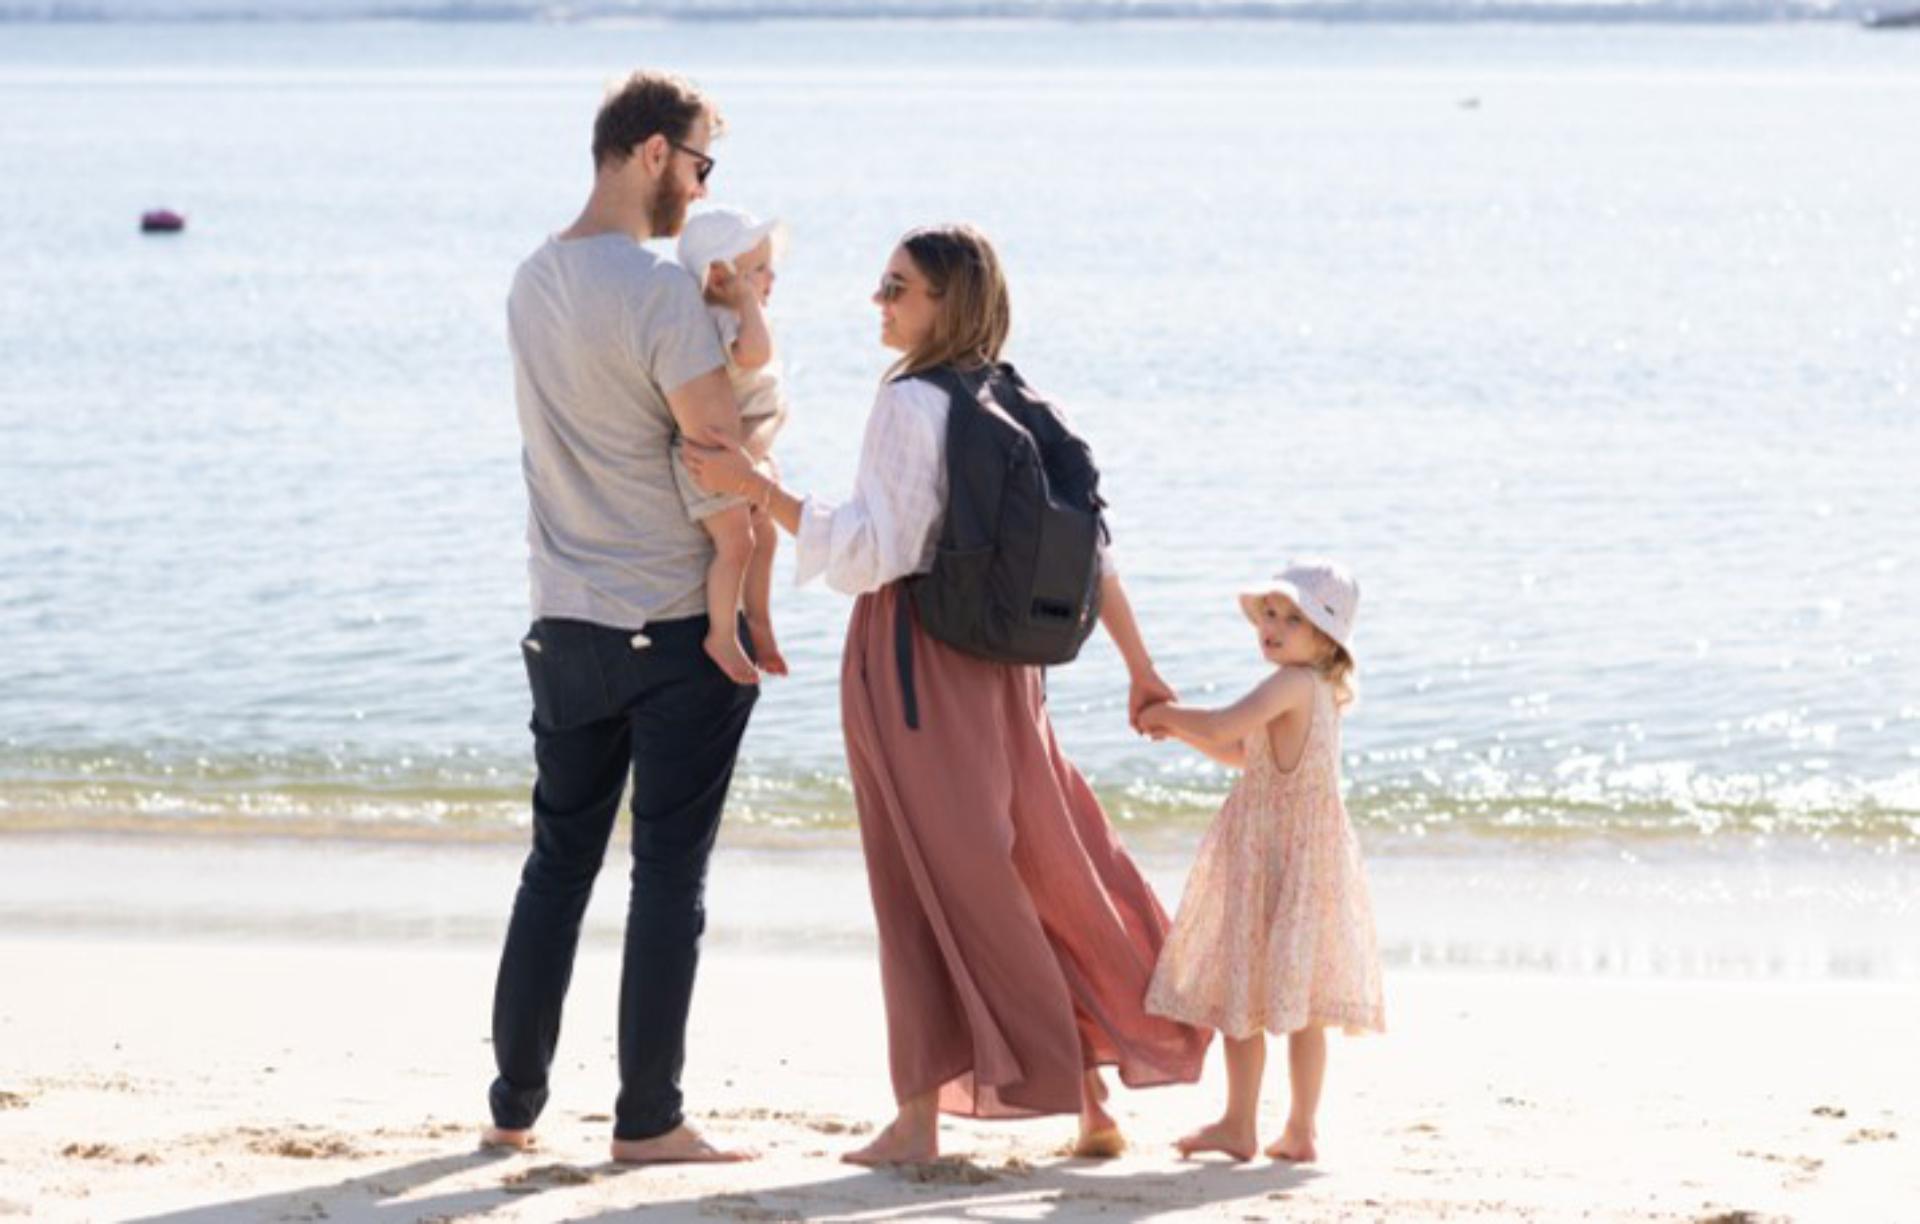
(1016, 936)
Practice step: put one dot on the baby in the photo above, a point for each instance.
(732, 255)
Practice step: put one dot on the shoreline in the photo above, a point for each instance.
(1162, 14)
(1592, 911)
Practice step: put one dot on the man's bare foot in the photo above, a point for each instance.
(681, 1145)
(496, 1138)
(898, 1144)
(1100, 1137)
(1295, 1144)
(724, 649)
(765, 648)
(1235, 1140)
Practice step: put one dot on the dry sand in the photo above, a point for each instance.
(205, 1081)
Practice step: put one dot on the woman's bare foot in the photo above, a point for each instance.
(494, 1138)
(1100, 1137)
(681, 1145)
(765, 648)
(1096, 1085)
(1237, 1140)
(724, 648)
(1295, 1144)
(902, 1142)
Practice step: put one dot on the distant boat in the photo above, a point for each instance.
(1902, 19)
(162, 221)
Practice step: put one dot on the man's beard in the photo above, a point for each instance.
(669, 213)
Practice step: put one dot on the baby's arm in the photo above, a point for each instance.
(1222, 733)
(753, 347)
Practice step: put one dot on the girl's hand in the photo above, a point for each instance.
(718, 464)
(1147, 689)
(1155, 721)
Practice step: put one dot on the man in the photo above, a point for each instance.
(612, 348)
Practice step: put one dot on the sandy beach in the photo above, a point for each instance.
(265, 1076)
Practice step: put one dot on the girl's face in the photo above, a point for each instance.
(907, 305)
(1287, 637)
(756, 268)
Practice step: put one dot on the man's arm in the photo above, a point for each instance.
(703, 408)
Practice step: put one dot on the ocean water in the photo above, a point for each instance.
(1594, 351)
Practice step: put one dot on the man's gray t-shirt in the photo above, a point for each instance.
(601, 330)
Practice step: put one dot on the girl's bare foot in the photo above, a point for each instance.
(681, 1145)
(499, 1137)
(1100, 1137)
(1295, 1143)
(724, 648)
(900, 1143)
(765, 648)
(1236, 1139)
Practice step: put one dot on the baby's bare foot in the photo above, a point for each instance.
(1295, 1144)
(1237, 1141)
(896, 1145)
(765, 648)
(500, 1137)
(724, 649)
(681, 1145)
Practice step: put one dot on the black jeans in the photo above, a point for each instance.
(602, 705)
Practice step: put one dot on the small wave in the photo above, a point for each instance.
(768, 807)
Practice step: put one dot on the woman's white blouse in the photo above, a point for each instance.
(890, 526)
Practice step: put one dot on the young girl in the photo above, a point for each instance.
(1275, 931)
(732, 254)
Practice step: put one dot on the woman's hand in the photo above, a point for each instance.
(718, 464)
(1147, 689)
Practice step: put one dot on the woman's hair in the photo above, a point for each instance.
(973, 314)
(1337, 669)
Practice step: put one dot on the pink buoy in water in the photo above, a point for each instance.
(162, 221)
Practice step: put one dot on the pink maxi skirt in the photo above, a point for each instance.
(1017, 937)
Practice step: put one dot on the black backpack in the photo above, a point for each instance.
(1016, 577)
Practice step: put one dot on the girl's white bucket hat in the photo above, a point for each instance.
(721, 235)
(1326, 594)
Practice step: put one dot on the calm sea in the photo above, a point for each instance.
(1593, 351)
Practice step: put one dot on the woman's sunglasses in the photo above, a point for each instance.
(892, 289)
(703, 166)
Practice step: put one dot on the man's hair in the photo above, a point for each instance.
(974, 313)
(645, 105)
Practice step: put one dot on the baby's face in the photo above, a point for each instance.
(756, 268)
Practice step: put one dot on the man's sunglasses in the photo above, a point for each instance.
(704, 165)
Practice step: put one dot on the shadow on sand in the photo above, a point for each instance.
(951, 1189)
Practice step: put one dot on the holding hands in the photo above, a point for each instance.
(1147, 697)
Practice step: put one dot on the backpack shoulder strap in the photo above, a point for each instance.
(962, 391)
